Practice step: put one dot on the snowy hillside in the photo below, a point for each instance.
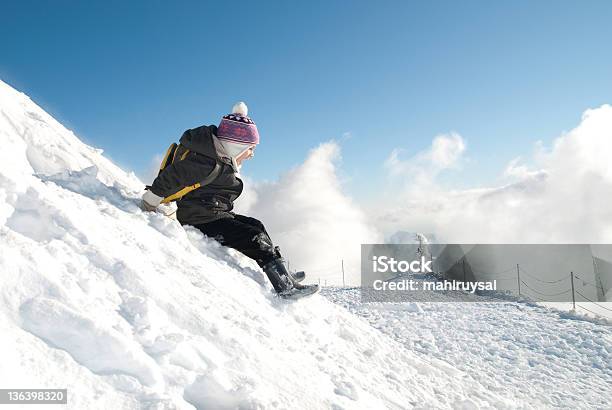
(127, 309)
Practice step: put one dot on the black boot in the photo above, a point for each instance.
(282, 282)
(296, 276)
(278, 275)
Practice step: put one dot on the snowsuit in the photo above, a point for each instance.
(209, 208)
(243, 233)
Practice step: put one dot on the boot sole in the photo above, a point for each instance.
(295, 294)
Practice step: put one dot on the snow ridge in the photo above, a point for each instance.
(130, 310)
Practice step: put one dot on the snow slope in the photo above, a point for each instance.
(540, 357)
(127, 309)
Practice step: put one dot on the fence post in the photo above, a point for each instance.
(573, 297)
(343, 285)
(598, 278)
(518, 278)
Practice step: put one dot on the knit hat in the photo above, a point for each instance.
(237, 127)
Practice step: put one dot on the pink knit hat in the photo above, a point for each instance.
(237, 127)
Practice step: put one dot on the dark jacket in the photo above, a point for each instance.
(207, 203)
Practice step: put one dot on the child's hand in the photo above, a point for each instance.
(150, 201)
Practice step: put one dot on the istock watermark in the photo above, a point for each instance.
(389, 264)
(422, 271)
(436, 285)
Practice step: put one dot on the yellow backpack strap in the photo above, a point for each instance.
(181, 193)
(174, 154)
(184, 154)
(169, 154)
(210, 178)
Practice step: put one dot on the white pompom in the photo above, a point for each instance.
(240, 108)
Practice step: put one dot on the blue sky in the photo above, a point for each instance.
(129, 77)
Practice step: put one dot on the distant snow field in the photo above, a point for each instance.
(540, 357)
(129, 310)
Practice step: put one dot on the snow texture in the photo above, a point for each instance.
(129, 310)
(538, 356)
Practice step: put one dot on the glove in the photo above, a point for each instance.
(150, 201)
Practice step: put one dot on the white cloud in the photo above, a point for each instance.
(307, 213)
(419, 171)
(565, 198)
(446, 151)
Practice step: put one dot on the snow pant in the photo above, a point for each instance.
(245, 234)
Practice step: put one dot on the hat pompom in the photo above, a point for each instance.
(240, 108)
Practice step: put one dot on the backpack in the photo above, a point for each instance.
(175, 153)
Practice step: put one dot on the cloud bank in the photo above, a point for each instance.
(563, 199)
(316, 224)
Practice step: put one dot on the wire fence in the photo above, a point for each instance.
(525, 280)
(333, 273)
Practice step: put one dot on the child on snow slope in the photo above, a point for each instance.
(209, 208)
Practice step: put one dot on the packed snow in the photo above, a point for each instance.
(129, 310)
(540, 357)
